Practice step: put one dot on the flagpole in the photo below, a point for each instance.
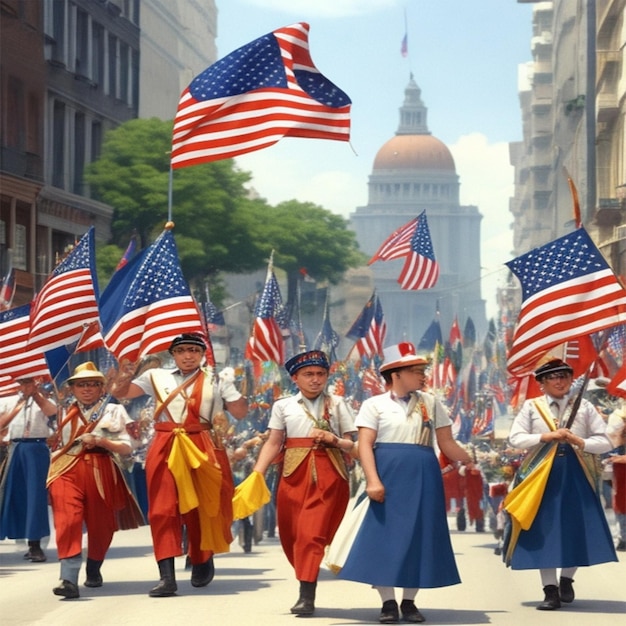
(170, 186)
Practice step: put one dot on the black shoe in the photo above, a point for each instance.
(621, 546)
(202, 575)
(66, 589)
(551, 600)
(94, 577)
(37, 555)
(389, 613)
(410, 613)
(306, 602)
(566, 590)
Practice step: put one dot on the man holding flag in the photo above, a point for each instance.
(187, 469)
(556, 514)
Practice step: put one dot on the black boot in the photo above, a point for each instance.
(94, 577)
(551, 600)
(202, 575)
(461, 522)
(167, 584)
(35, 553)
(566, 589)
(306, 602)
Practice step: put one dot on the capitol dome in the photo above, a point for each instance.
(414, 152)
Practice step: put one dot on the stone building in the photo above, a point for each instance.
(412, 172)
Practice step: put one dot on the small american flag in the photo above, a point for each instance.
(411, 242)
(7, 290)
(255, 96)
(68, 299)
(266, 340)
(568, 290)
(147, 303)
(369, 329)
(16, 359)
(327, 339)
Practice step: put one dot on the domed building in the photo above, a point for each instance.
(412, 172)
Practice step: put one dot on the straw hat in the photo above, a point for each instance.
(401, 355)
(86, 370)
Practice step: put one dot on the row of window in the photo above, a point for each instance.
(385, 191)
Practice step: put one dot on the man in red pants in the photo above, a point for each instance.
(85, 484)
(179, 492)
(315, 428)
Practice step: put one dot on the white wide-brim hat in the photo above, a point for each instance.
(401, 355)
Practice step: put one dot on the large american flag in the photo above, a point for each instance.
(255, 96)
(68, 299)
(369, 329)
(266, 340)
(411, 242)
(17, 360)
(568, 290)
(147, 303)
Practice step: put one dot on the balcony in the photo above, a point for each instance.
(610, 211)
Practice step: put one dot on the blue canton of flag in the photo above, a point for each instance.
(147, 303)
(568, 291)
(250, 99)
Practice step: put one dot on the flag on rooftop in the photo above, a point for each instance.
(129, 253)
(568, 290)
(404, 46)
(147, 303)
(68, 299)
(17, 359)
(7, 290)
(411, 242)
(369, 329)
(266, 340)
(255, 96)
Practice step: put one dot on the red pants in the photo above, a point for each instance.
(309, 510)
(619, 488)
(76, 499)
(165, 519)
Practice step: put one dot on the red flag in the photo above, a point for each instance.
(266, 340)
(68, 299)
(255, 96)
(617, 386)
(568, 289)
(411, 241)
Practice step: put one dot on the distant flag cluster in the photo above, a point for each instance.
(255, 96)
(568, 290)
(411, 242)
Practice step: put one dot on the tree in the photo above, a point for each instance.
(307, 238)
(211, 210)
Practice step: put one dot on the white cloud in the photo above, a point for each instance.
(324, 8)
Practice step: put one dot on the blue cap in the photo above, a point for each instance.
(306, 359)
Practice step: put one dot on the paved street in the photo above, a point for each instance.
(258, 588)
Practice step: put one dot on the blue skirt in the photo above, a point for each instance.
(404, 541)
(570, 529)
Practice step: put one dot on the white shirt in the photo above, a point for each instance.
(396, 421)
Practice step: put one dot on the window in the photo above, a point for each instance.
(112, 66)
(58, 147)
(97, 55)
(19, 247)
(79, 153)
(82, 44)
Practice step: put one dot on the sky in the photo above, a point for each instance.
(464, 55)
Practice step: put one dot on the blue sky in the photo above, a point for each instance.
(464, 55)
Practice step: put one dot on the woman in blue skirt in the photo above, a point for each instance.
(403, 540)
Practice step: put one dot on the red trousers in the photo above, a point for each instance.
(75, 499)
(310, 505)
(165, 519)
(619, 488)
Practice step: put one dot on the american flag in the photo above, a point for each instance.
(130, 251)
(255, 96)
(404, 46)
(266, 340)
(68, 299)
(568, 290)
(369, 329)
(411, 242)
(7, 290)
(18, 360)
(147, 303)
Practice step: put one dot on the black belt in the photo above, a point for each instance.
(29, 440)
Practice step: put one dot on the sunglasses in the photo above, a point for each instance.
(89, 383)
(192, 350)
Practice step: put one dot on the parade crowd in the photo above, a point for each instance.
(367, 489)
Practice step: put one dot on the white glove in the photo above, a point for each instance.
(227, 388)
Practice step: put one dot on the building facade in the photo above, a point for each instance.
(412, 172)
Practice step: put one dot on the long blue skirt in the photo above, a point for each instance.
(24, 510)
(570, 529)
(404, 541)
